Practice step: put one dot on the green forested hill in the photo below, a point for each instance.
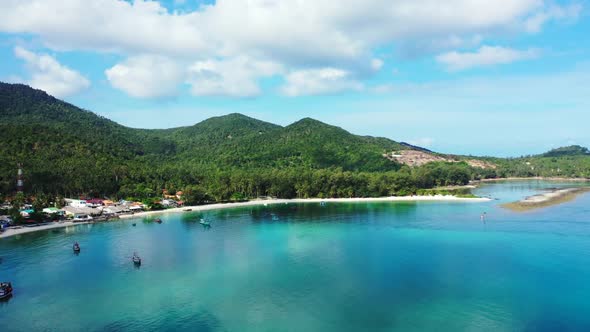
(567, 151)
(69, 151)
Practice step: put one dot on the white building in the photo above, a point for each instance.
(77, 203)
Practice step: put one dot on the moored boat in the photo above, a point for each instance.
(136, 259)
(204, 222)
(5, 290)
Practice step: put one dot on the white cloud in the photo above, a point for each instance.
(237, 77)
(147, 76)
(49, 75)
(535, 22)
(484, 56)
(319, 81)
(344, 31)
(295, 34)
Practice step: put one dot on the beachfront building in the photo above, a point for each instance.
(94, 202)
(26, 213)
(72, 212)
(77, 203)
(135, 206)
(115, 210)
(53, 211)
(169, 203)
(108, 202)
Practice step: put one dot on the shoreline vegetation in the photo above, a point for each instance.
(218, 206)
(551, 198)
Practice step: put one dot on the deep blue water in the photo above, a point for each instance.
(344, 267)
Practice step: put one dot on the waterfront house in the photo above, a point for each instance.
(135, 206)
(115, 210)
(94, 202)
(70, 211)
(26, 213)
(53, 211)
(169, 203)
(77, 203)
(108, 202)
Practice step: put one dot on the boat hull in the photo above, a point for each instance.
(6, 291)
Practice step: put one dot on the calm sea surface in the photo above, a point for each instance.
(426, 266)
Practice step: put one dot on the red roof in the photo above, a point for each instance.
(94, 201)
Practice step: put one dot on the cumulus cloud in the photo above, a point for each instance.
(484, 56)
(331, 30)
(237, 77)
(296, 34)
(319, 81)
(49, 75)
(147, 76)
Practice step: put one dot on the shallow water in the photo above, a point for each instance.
(407, 266)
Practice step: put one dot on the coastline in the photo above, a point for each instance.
(24, 230)
(546, 199)
(539, 178)
(218, 206)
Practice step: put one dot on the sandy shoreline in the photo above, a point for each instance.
(546, 199)
(307, 200)
(23, 230)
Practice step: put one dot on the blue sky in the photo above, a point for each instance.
(471, 77)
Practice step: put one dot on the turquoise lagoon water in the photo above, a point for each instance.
(344, 267)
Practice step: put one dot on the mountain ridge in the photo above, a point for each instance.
(68, 150)
(58, 140)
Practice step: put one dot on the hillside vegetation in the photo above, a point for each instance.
(69, 151)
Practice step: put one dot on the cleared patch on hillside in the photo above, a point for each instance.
(414, 158)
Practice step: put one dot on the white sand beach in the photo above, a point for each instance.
(22, 230)
(548, 196)
(553, 197)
